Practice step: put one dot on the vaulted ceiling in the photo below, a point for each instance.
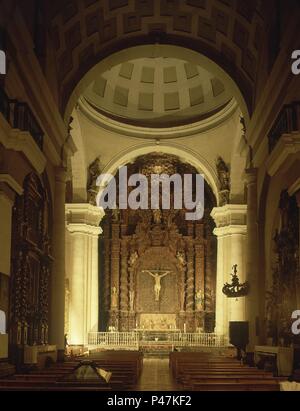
(229, 32)
(160, 91)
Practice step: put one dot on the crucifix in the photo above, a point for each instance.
(157, 278)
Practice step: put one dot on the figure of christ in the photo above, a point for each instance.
(157, 278)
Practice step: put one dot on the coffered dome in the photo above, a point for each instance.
(157, 92)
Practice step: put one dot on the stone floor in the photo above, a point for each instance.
(156, 376)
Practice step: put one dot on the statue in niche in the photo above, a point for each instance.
(157, 281)
(131, 300)
(181, 258)
(223, 174)
(199, 300)
(93, 173)
(224, 180)
(157, 216)
(133, 258)
(114, 297)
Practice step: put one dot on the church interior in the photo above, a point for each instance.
(145, 299)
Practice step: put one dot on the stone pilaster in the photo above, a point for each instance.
(231, 231)
(83, 233)
(190, 286)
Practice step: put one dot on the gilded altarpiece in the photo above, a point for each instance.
(159, 269)
(31, 267)
(284, 296)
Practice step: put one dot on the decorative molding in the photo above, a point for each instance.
(14, 139)
(287, 145)
(230, 230)
(11, 182)
(151, 133)
(84, 229)
(83, 216)
(230, 219)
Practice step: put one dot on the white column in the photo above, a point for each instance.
(221, 301)
(82, 270)
(231, 232)
(238, 256)
(57, 301)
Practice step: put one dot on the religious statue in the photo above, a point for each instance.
(157, 216)
(114, 297)
(223, 174)
(131, 299)
(133, 258)
(93, 173)
(224, 180)
(181, 258)
(199, 300)
(157, 279)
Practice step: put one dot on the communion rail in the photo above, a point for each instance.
(135, 340)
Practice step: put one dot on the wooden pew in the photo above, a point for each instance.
(125, 367)
(196, 371)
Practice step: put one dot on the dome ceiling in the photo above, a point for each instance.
(157, 92)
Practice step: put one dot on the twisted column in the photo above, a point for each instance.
(209, 286)
(115, 276)
(199, 270)
(190, 289)
(107, 278)
(124, 292)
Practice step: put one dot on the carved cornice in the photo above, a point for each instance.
(11, 182)
(149, 132)
(14, 139)
(230, 230)
(230, 215)
(84, 218)
(84, 229)
(288, 144)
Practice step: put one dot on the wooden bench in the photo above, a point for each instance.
(199, 372)
(125, 367)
